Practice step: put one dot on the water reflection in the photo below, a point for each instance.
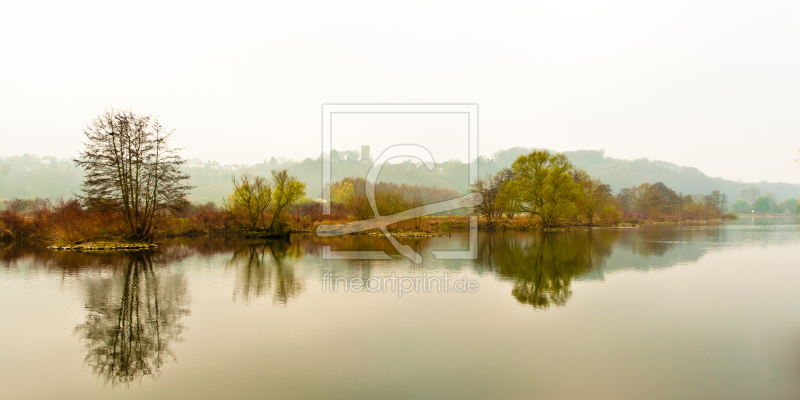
(134, 313)
(543, 264)
(135, 305)
(260, 265)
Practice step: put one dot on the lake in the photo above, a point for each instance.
(705, 311)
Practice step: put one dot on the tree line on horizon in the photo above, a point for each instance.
(134, 189)
(135, 186)
(29, 177)
(751, 201)
(547, 185)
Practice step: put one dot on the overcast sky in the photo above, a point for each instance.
(714, 85)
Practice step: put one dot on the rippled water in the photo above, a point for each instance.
(676, 312)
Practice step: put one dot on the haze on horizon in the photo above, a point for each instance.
(711, 85)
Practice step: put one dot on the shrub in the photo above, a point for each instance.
(610, 215)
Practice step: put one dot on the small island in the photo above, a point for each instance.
(104, 245)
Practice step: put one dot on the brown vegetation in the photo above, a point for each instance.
(541, 191)
(70, 222)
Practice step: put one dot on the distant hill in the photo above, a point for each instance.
(626, 173)
(689, 180)
(29, 176)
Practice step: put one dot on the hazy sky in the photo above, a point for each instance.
(714, 85)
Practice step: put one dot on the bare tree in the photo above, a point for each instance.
(716, 202)
(357, 206)
(750, 195)
(131, 170)
(416, 203)
(133, 317)
(209, 216)
(488, 191)
(495, 200)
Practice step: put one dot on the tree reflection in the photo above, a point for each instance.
(260, 265)
(134, 315)
(542, 265)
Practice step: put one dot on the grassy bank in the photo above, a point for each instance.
(65, 224)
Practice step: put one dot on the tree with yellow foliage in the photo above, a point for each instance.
(257, 202)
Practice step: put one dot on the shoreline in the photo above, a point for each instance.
(437, 227)
(105, 245)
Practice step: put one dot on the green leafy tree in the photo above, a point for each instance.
(341, 192)
(764, 204)
(741, 207)
(257, 203)
(507, 201)
(788, 205)
(544, 187)
(287, 190)
(251, 197)
(595, 195)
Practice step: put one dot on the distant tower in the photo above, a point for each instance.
(365, 153)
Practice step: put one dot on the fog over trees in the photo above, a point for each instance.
(30, 176)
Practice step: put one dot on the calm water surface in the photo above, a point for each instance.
(666, 312)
